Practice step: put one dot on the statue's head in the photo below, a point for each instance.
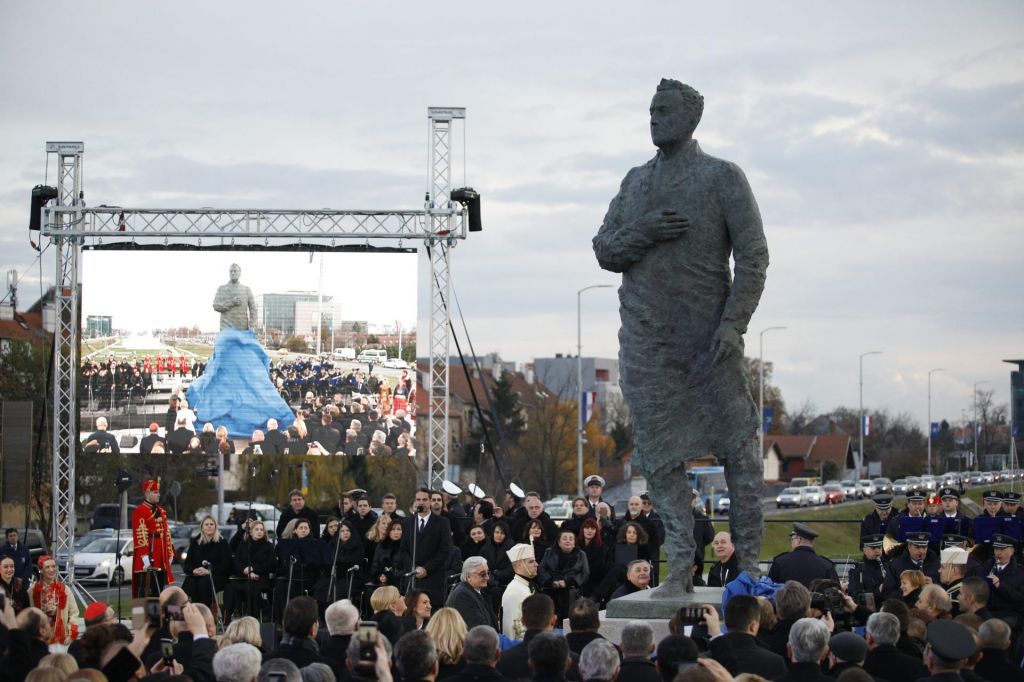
(236, 272)
(675, 112)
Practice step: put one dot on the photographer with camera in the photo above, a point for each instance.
(802, 563)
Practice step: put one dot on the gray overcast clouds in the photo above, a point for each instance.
(883, 141)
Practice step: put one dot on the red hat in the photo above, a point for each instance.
(934, 499)
(96, 610)
(43, 559)
(151, 486)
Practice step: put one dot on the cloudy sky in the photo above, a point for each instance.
(883, 141)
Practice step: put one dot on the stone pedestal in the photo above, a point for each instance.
(642, 606)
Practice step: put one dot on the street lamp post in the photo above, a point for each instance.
(930, 372)
(974, 424)
(860, 425)
(579, 384)
(760, 400)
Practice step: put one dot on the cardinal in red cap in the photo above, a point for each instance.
(153, 551)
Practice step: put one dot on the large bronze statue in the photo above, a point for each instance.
(670, 231)
(235, 302)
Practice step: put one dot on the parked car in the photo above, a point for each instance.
(180, 537)
(833, 493)
(790, 497)
(373, 355)
(866, 487)
(814, 495)
(106, 516)
(850, 489)
(396, 363)
(882, 485)
(96, 561)
(558, 510)
(344, 353)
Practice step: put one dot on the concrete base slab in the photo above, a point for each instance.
(643, 606)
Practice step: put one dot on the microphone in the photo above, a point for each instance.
(409, 574)
(355, 567)
(294, 559)
(205, 564)
(419, 509)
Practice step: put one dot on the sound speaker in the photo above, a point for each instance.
(17, 450)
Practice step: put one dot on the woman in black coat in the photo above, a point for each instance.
(589, 540)
(562, 571)
(207, 546)
(533, 534)
(299, 563)
(346, 552)
(254, 562)
(388, 562)
(474, 542)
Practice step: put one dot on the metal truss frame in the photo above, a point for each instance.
(70, 226)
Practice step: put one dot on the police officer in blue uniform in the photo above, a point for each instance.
(802, 563)
(949, 644)
(877, 522)
(867, 575)
(956, 522)
(917, 557)
(1005, 575)
(907, 521)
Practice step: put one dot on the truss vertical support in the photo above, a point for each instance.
(442, 222)
(65, 350)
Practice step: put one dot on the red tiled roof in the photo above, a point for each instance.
(812, 449)
(12, 329)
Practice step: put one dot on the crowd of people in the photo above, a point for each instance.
(445, 587)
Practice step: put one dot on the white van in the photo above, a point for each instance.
(344, 354)
(373, 355)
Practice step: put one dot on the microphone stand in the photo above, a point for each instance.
(415, 537)
(334, 567)
(213, 591)
(291, 568)
(351, 576)
(248, 541)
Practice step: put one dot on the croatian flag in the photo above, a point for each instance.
(589, 400)
(305, 480)
(867, 425)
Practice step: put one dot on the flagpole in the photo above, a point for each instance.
(930, 372)
(860, 426)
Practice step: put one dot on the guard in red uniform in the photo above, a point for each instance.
(184, 366)
(159, 367)
(151, 562)
(172, 365)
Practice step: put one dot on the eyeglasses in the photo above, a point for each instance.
(482, 574)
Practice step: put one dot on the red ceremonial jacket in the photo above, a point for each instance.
(149, 530)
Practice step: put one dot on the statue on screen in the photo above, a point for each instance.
(235, 302)
(670, 231)
(235, 390)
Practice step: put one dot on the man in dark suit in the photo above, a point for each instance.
(426, 539)
(178, 439)
(151, 439)
(996, 639)
(584, 624)
(297, 509)
(802, 564)
(737, 649)
(481, 651)
(845, 650)
(300, 624)
(18, 551)
(884, 659)
(807, 647)
(342, 618)
(538, 616)
(327, 434)
(274, 441)
(637, 642)
(172, 415)
(466, 598)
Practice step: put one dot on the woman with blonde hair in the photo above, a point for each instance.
(911, 584)
(376, 535)
(209, 547)
(388, 608)
(448, 630)
(244, 630)
(65, 663)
